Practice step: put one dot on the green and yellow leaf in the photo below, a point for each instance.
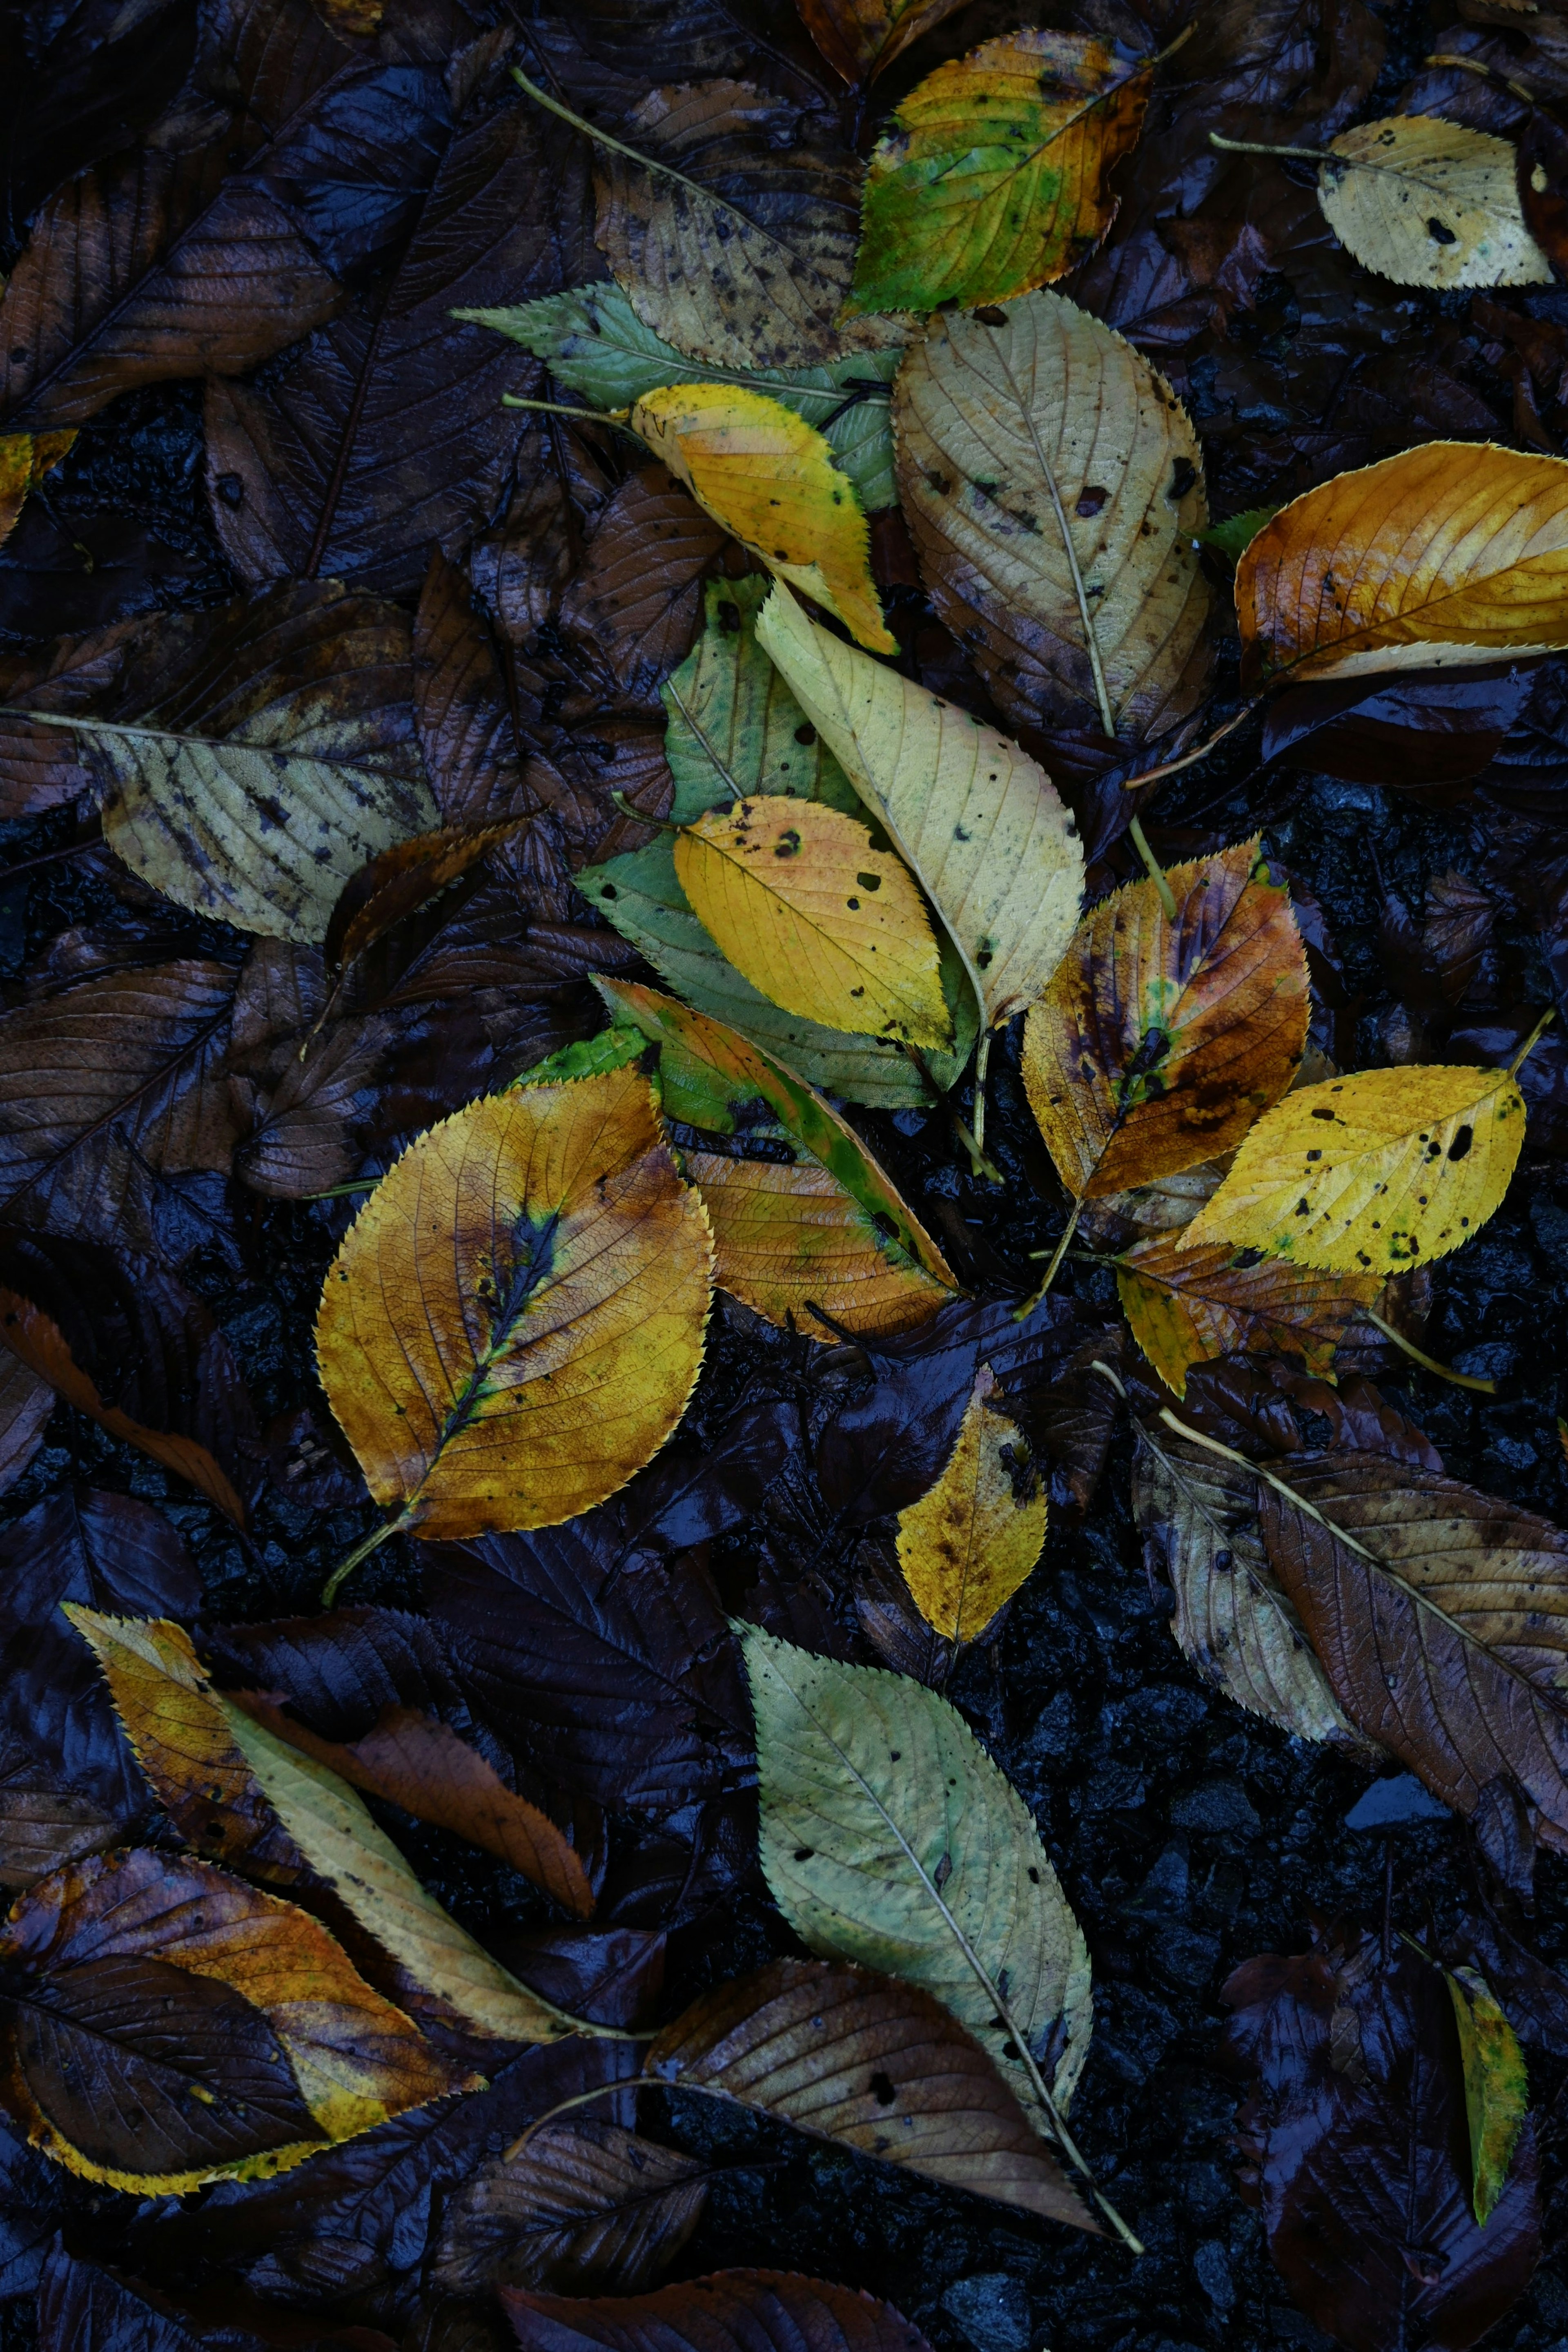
(1496, 2087)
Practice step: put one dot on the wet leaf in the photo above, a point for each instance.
(1054, 486)
(873, 2065)
(404, 879)
(1429, 203)
(795, 896)
(26, 1405)
(576, 1297)
(769, 479)
(1353, 2148)
(1373, 1172)
(91, 2309)
(24, 459)
(861, 38)
(996, 176)
(890, 1838)
(575, 2206)
(761, 2311)
(1185, 1304)
(597, 346)
(1497, 2090)
(176, 2025)
(975, 818)
(968, 1543)
(1156, 1046)
(801, 1213)
(1234, 535)
(1443, 557)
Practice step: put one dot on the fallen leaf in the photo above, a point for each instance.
(968, 1543)
(795, 896)
(870, 2064)
(413, 1761)
(1198, 1515)
(1186, 1304)
(44, 1824)
(1157, 1044)
(1054, 486)
(733, 238)
(151, 1973)
(974, 817)
(1431, 1152)
(281, 1814)
(400, 880)
(802, 1215)
(24, 459)
(732, 2310)
(575, 1297)
(995, 177)
(861, 38)
(771, 479)
(735, 727)
(890, 1838)
(25, 1403)
(635, 600)
(575, 2206)
(1353, 2148)
(91, 2308)
(596, 345)
(1429, 203)
(1497, 2090)
(1443, 557)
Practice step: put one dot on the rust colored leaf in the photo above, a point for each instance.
(861, 38)
(576, 2206)
(1187, 1304)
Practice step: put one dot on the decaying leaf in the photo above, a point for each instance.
(770, 478)
(1158, 1043)
(24, 459)
(1496, 2088)
(890, 1838)
(575, 2206)
(400, 880)
(1444, 557)
(968, 1543)
(1198, 1515)
(995, 177)
(522, 1375)
(177, 2026)
(1353, 2148)
(1186, 1304)
(597, 346)
(861, 38)
(977, 820)
(1371, 1173)
(874, 2065)
(732, 2310)
(1054, 487)
(800, 902)
(1429, 203)
(802, 1215)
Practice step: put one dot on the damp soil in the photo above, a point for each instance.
(1188, 1836)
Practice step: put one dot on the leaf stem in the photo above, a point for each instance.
(982, 1064)
(1189, 758)
(52, 856)
(1250, 147)
(1021, 1314)
(632, 155)
(1156, 871)
(1428, 1363)
(1182, 38)
(362, 1550)
(1531, 1041)
(615, 418)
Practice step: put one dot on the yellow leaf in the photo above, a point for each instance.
(1437, 559)
(1496, 2087)
(1188, 1306)
(514, 1320)
(1372, 1173)
(1429, 203)
(977, 820)
(795, 896)
(1158, 1043)
(24, 459)
(771, 480)
(967, 1544)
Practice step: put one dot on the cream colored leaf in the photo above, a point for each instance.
(1429, 203)
(977, 819)
(1054, 487)
(970, 1541)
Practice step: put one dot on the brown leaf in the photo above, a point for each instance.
(861, 38)
(401, 880)
(636, 601)
(870, 2064)
(732, 2310)
(44, 1824)
(574, 2206)
(26, 1405)
(418, 1763)
(465, 724)
(1186, 1305)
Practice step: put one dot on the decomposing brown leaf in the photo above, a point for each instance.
(575, 2206)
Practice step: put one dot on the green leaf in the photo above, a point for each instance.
(594, 343)
(1235, 534)
(735, 727)
(612, 1049)
(1497, 2092)
(890, 1838)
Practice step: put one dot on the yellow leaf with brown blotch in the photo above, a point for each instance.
(1441, 558)
(970, 1541)
(793, 893)
(1429, 203)
(24, 459)
(514, 1321)
(1158, 1043)
(772, 480)
(1187, 1306)
(1372, 1173)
